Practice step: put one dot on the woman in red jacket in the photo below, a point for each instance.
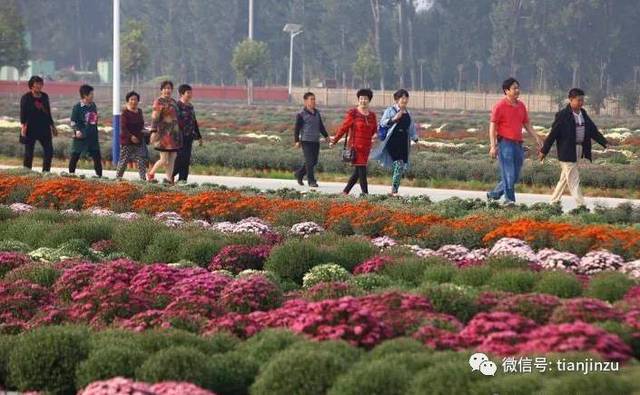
(361, 126)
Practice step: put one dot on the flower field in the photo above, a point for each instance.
(131, 287)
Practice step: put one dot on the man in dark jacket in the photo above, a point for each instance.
(36, 123)
(307, 132)
(572, 130)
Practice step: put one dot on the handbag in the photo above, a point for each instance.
(383, 129)
(348, 153)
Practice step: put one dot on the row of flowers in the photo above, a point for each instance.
(125, 294)
(549, 259)
(363, 217)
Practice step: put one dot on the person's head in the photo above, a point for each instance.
(364, 97)
(86, 93)
(401, 97)
(133, 98)
(35, 84)
(576, 98)
(511, 88)
(186, 92)
(166, 87)
(309, 100)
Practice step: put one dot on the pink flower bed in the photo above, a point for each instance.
(484, 324)
(12, 260)
(251, 293)
(537, 307)
(236, 258)
(584, 309)
(373, 265)
(122, 386)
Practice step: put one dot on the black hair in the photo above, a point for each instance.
(400, 93)
(85, 90)
(506, 85)
(132, 93)
(35, 80)
(308, 95)
(575, 92)
(183, 88)
(165, 83)
(365, 92)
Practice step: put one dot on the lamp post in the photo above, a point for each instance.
(293, 29)
(115, 143)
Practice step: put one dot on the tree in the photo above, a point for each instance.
(134, 51)
(250, 60)
(629, 98)
(367, 65)
(13, 48)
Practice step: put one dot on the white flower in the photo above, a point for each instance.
(306, 229)
(383, 242)
(168, 215)
(100, 212)
(129, 216)
(514, 247)
(421, 252)
(598, 261)
(453, 252)
(224, 227)
(551, 259)
(477, 255)
(70, 211)
(21, 208)
(632, 269)
(251, 227)
(325, 273)
(201, 223)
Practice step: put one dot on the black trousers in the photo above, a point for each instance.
(97, 162)
(183, 160)
(311, 151)
(359, 174)
(47, 148)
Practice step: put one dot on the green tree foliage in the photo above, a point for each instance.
(13, 48)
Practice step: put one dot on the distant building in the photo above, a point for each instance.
(43, 68)
(105, 71)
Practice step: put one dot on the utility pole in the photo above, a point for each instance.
(115, 143)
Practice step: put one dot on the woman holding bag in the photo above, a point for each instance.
(360, 126)
(396, 130)
(166, 137)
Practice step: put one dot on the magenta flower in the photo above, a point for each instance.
(584, 309)
(373, 265)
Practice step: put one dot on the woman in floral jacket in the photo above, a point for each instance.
(165, 134)
(361, 126)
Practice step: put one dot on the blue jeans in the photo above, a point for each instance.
(511, 157)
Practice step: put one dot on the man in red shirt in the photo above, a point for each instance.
(508, 117)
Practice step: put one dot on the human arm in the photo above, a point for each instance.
(344, 128)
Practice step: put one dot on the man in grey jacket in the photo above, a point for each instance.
(306, 134)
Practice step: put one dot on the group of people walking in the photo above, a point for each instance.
(174, 128)
(572, 131)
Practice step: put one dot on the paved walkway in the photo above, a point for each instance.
(568, 203)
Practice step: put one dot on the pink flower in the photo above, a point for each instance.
(12, 260)
(373, 265)
(236, 258)
(537, 307)
(484, 324)
(251, 293)
(584, 309)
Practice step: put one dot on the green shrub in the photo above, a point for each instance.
(473, 276)
(609, 286)
(396, 346)
(46, 359)
(505, 262)
(201, 249)
(7, 343)
(304, 370)
(294, 258)
(88, 228)
(450, 299)
(439, 273)
(513, 280)
(373, 377)
(156, 340)
(221, 342)
(446, 378)
(512, 384)
(108, 362)
(559, 283)
(164, 247)
(115, 338)
(625, 332)
(232, 373)
(350, 251)
(132, 237)
(409, 270)
(370, 281)
(587, 384)
(26, 230)
(265, 344)
(328, 272)
(14, 245)
(175, 364)
(44, 274)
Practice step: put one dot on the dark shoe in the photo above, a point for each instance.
(491, 198)
(299, 179)
(313, 185)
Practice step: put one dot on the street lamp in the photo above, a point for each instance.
(115, 143)
(293, 29)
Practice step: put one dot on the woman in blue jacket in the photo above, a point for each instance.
(396, 130)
